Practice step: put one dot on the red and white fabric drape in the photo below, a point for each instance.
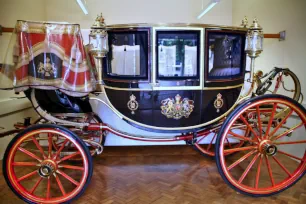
(48, 56)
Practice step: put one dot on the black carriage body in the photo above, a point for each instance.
(176, 78)
(149, 111)
(212, 87)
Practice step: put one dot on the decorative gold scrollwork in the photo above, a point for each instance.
(218, 102)
(132, 104)
(177, 108)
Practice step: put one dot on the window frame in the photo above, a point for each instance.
(206, 53)
(178, 78)
(128, 78)
(200, 82)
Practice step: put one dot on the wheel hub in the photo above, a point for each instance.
(268, 148)
(47, 168)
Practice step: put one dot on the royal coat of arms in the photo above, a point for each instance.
(47, 69)
(177, 108)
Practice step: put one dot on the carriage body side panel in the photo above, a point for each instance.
(149, 112)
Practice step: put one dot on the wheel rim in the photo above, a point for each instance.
(264, 165)
(40, 174)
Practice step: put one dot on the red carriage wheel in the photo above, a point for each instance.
(273, 158)
(39, 174)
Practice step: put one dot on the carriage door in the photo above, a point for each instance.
(176, 77)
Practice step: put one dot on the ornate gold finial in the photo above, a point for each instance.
(255, 25)
(99, 22)
(245, 22)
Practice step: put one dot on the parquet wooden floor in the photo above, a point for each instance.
(161, 175)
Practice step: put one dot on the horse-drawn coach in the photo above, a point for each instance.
(195, 81)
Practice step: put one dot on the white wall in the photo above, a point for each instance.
(275, 16)
(8, 121)
(10, 12)
(139, 11)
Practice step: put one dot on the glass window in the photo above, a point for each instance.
(178, 54)
(225, 55)
(128, 54)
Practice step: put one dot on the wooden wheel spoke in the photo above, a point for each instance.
(228, 143)
(290, 142)
(36, 185)
(241, 159)
(49, 145)
(29, 154)
(227, 151)
(204, 136)
(58, 144)
(247, 170)
(68, 178)
(270, 120)
(281, 123)
(288, 131)
(25, 164)
(39, 147)
(249, 126)
(72, 167)
(60, 149)
(240, 136)
(270, 171)
(27, 176)
(258, 172)
(282, 166)
(69, 157)
(48, 187)
(259, 121)
(59, 183)
(210, 144)
(289, 155)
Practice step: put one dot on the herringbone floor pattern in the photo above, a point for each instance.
(161, 175)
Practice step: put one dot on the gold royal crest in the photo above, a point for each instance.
(177, 108)
(218, 102)
(132, 104)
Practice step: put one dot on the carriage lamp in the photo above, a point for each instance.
(98, 42)
(254, 44)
